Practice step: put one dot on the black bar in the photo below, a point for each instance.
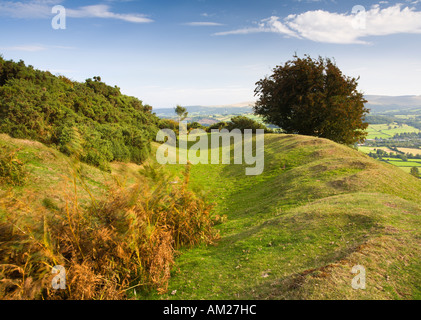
(205, 309)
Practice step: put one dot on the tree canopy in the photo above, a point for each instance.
(415, 172)
(181, 112)
(239, 122)
(312, 97)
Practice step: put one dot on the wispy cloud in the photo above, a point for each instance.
(328, 27)
(271, 24)
(42, 9)
(35, 48)
(27, 9)
(103, 11)
(203, 24)
(27, 48)
(207, 15)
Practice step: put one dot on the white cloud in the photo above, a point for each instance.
(203, 24)
(42, 9)
(241, 31)
(27, 9)
(102, 11)
(341, 28)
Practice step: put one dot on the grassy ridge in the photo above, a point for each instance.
(296, 231)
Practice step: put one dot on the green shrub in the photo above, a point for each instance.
(219, 126)
(240, 122)
(90, 120)
(243, 122)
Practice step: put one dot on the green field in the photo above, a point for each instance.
(404, 165)
(367, 150)
(387, 131)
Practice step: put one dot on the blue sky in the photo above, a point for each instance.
(212, 52)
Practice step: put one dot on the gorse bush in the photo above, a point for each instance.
(12, 170)
(125, 241)
(39, 106)
(241, 123)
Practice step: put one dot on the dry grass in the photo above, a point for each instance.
(12, 170)
(125, 240)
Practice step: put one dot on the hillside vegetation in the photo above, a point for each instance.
(294, 232)
(91, 119)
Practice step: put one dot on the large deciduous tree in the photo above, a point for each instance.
(312, 97)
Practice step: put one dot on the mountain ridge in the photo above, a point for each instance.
(376, 103)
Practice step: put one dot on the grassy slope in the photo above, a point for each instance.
(296, 231)
(49, 175)
(293, 232)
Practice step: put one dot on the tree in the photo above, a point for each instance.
(194, 125)
(312, 97)
(181, 112)
(415, 172)
(243, 122)
(217, 126)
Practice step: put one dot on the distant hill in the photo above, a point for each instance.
(239, 108)
(376, 104)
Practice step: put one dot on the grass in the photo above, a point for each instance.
(293, 232)
(296, 231)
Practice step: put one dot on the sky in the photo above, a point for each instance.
(212, 52)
